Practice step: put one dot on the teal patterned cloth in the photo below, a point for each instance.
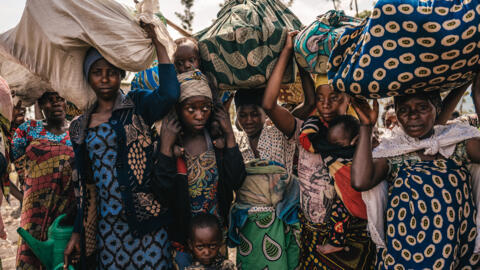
(240, 49)
(315, 43)
(408, 46)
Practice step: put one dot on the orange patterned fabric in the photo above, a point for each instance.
(48, 192)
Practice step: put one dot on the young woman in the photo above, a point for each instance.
(430, 209)
(269, 189)
(48, 185)
(205, 176)
(120, 224)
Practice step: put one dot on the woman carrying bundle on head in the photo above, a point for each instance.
(429, 201)
(120, 223)
(264, 217)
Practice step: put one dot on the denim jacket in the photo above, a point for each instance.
(132, 118)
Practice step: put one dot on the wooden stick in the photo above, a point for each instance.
(178, 28)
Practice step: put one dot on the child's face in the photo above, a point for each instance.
(195, 112)
(206, 244)
(328, 102)
(338, 136)
(186, 57)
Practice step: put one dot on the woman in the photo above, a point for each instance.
(114, 150)
(48, 187)
(206, 175)
(430, 212)
(269, 195)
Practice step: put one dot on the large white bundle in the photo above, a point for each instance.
(53, 36)
(27, 86)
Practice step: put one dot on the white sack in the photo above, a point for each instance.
(53, 36)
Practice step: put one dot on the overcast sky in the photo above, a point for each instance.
(205, 11)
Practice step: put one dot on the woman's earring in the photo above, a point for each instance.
(43, 114)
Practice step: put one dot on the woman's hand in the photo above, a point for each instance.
(72, 251)
(367, 115)
(168, 134)
(289, 40)
(162, 54)
(223, 119)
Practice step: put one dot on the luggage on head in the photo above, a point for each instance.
(314, 44)
(53, 37)
(408, 46)
(240, 49)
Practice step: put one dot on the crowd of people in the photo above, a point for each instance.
(161, 179)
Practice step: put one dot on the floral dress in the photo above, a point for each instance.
(202, 173)
(118, 247)
(430, 218)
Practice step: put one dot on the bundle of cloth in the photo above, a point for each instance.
(53, 37)
(240, 49)
(25, 84)
(408, 46)
(314, 44)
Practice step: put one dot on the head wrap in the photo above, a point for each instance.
(91, 57)
(433, 97)
(249, 97)
(320, 79)
(192, 84)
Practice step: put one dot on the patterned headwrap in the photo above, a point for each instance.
(320, 79)
(193, 83)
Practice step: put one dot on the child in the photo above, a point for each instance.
(341, 135)
(205, 240)
(336, 145)
(206, 176)
(187, 55)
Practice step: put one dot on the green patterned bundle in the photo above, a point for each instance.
(240, 49)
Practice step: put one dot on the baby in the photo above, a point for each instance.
(205, 240)
(187, 58)
(342, 132)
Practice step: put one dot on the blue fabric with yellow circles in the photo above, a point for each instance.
(408, 46)
(430, 219)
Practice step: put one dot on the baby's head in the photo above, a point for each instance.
(342, 130)
(187, 55)
(205, 238)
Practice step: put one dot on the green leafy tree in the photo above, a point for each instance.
(187, 16)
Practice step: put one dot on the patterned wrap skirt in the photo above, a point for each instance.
(48, 193)
(359, 254)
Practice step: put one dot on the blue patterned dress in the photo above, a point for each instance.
(430, 220)
(118, 248)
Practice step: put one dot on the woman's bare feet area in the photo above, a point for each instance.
(327, 249)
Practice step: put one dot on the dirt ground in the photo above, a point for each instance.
(8, 248)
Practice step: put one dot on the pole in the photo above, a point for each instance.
(178, 28)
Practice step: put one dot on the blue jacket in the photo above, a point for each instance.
(132, 119)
